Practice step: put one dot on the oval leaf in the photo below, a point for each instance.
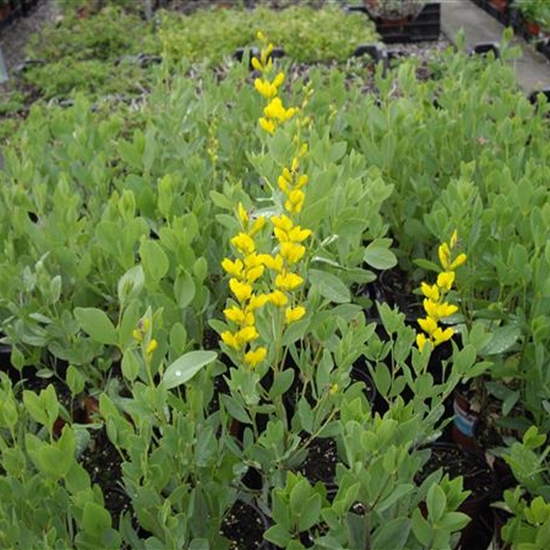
(329, 286)
(379, 256)
(185, 367)
(95, 323)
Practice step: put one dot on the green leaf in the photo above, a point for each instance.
(436, 501)
(392, 534)
(184, 289)
(185, 367)
(130, 366)
(95, 519)
(155, 261)
(278, 535)
(502, 340)
(378, 255)
(453, 521)
(130, 284)
(96, 324)
(235, 409)
(281, 383)
(75, 380)
(329, 286)
(421, 528)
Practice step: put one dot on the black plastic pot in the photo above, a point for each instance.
(426, 25)
(477, 478)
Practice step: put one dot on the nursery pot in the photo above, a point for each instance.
(478, 479)
(464, 423)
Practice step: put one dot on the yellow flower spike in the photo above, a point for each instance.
(151, 347)
(246, 334)
(292, 252)
(282, 236)
(421, 341)
(278, 298)
(428, 325)
(459, 260)
(287, 175)
(258, 301)
(267, 125)
(444, 254)
(257, 226)
(454, 239)
(445, 281)
(288, 281)
(242, 291)
(235, 314)
(441, 336)
(243, 243)
(243, 214)
(430, 291)
(254, 357)
(234, 269)
(294, 314)
(229, 339)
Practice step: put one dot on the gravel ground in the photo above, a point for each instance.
(14, 38)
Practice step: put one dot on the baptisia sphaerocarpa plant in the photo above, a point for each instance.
(292, 382)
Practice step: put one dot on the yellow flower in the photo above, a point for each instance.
(446, 310)
(254, 357)
(278, 298)
(445, 280)
(254, 273)
(246, 334)
(297, 234)
(137, 335)
(294, 314)
(261, 36)
(267, 125)
(258, 301)
(243, 243)
(444, 254)
(302, 181)
(243, 214)
(265, 88)
(454, 239)
(421, 341)
(273, 263)
(459, 260)
(253, 260)
(152, 346)
(283, 185)
(282, 222)
(257, 226)
(333, 389)
(288, 281)
(441, 336)
(256, 64)
(229, 339)
(428, 325)
(242, 291)
(276, 110)
(292, 252)
(278, 80)
(235, 314)
(430, 291)
(234, 269)
(295, 201)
